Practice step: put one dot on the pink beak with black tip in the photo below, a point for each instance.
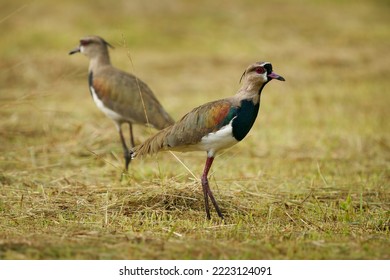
(273, 75)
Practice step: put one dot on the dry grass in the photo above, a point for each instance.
(311, 181)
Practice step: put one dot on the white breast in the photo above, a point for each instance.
(219, 140)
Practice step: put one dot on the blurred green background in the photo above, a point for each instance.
(320, 144)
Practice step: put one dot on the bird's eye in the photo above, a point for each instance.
(85, 42)
(260, 70)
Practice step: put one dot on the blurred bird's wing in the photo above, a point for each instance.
(129, 96)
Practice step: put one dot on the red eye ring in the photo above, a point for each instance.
(260, 70)
(85, 42)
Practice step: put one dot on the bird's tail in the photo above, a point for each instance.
(152, 145)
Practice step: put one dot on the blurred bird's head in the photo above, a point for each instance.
(92, 46)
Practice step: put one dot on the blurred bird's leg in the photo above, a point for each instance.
(131, 135)
(207, 191)
(126, 153)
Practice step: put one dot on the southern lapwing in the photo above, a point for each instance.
(121, 96)
(215, 125)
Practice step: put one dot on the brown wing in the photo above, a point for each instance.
(191, 128)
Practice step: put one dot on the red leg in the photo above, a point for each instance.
(205, 185)
(207, 191)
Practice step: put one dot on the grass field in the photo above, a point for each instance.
(310, 181)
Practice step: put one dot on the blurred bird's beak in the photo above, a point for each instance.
(273, 75)
(75, 50)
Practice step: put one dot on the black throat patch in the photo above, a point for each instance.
(246, 116)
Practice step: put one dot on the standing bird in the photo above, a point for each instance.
(120, 96)
(215, 125)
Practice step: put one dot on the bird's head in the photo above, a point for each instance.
(91, 46)
(260, 73)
